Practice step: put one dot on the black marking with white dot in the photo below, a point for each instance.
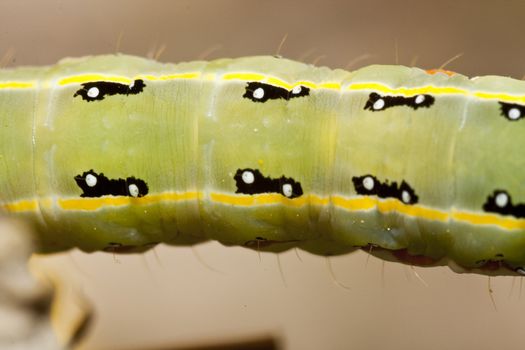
(251, 181)
(261, 92)
(97, 90)
(377, 103)
(369, 185)
(512, 111)
(98, 185)
(500, 202)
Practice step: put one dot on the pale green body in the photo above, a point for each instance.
(191, 135)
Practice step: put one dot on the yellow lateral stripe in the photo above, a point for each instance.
(258, 200)
(17, 84)
(499, 96)
(21, 206)
(330, 86)
(351, 204)
(279, 83)
(509, 223)
(243, 76)
(189, 75)
(86, 78)
(354, 204)
(306, 83)
(246, 76)
(92, 203)
(100, 202)
(393, 205)
(440, 90)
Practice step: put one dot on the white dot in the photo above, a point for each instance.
(406, 197)
(258, 93)
(296, 90)
(419, 99)
(502, 199)
(287, 190)
(133, 190)
(93, 92)
(91, 180)
(379, 104)
(368, 183)
(132, 84)
(514, 114)
(247, 177)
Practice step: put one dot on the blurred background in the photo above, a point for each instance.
(212, 295)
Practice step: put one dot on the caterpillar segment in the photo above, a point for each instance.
(121, 153)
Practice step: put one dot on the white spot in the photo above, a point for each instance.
(133, 190)
(406, 197)
(91, 180)
(502, 199)
(368, 183)
(287, 190)
(93, 92)
(379, 104)
(419, 99)
(514, 114)
(258, 93)
(248, 177)
(296, 90)
(132, 84)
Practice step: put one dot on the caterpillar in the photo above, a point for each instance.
(121, 153)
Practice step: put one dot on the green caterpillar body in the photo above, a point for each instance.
(121, 153)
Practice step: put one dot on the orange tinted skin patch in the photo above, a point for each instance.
(444, 71)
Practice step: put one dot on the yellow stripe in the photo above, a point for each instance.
(258, 200)
(354, 204)
(438, 90)
(499, 96)
(330, 85)
(509, 223)
(21, 206)
(279, 83)
(190, 75)
(16, 85)
(92, 203)
(86, 78)
(243, 76)
(392, 205)
(247, 76)
(308, 84)
(100, 202)
(350, 204)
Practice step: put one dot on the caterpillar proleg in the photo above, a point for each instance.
(121, 153)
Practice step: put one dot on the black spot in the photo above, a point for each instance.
(113, 187)
(106, 88)
(506, 208)
(405, 193)
(262, 184)
(506, 109)
(413, 102)
(115, 247)
(270, 92)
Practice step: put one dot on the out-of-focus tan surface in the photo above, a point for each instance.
(169, 297)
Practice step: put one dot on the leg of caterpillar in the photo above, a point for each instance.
(125, 153)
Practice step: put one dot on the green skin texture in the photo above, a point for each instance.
(192, 135)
